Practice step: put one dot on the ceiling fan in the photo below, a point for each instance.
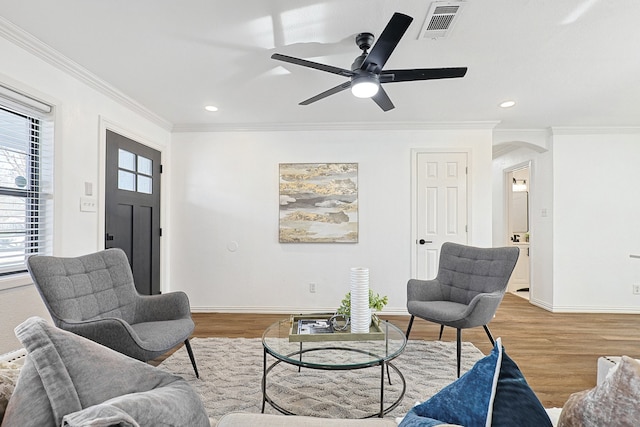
(366, 74)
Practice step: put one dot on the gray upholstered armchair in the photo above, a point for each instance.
(94, 296)
(467, 291)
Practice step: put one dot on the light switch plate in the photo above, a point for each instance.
(88, 204)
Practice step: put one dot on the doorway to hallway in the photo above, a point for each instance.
(517, 190)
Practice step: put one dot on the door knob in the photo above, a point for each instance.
(422, 241)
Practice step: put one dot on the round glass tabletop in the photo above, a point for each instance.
(339, 351)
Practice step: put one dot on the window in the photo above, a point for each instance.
(25, 185)
(134, 175)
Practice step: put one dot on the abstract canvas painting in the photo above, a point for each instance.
(318, 203)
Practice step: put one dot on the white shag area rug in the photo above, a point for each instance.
(231, 374)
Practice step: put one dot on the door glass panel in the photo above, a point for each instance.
(144, 165)
(126, 160)
(144, 184)
(126, 181)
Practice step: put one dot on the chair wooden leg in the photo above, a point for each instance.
(410, 325)
(441, 329)
(459, 348)
(187, 344)
(486, 329)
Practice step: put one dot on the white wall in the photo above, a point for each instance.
(79, 109)
(225, 189)
(542, 249)
(586, 185)
(596, 221)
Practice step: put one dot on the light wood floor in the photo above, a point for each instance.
(556, 352)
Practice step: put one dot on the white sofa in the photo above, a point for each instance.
(238, 419)
(605, 364)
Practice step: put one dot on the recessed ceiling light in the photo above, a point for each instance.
(211, 108)
(507, 104)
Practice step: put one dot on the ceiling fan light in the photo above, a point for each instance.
(365, 87)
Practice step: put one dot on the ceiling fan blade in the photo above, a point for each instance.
(314, 65)
(332, 91)
(390, 76)
(382, 99)
(387, 42)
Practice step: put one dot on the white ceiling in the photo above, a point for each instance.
(565, 62)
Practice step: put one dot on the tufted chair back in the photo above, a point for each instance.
(94, 286)
(466, 271)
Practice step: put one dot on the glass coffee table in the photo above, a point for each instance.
(334, 355)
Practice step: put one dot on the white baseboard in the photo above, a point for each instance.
(402, 311)
(593, 309)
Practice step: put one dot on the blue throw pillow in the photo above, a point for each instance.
(515, 403)
(492, 393)
(466, 401)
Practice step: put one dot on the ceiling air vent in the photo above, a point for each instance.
(440, 19)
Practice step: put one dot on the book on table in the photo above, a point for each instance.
(314, 326)
(318, 327)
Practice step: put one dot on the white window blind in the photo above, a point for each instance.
(26, 202)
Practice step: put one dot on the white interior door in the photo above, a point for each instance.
(441, 207)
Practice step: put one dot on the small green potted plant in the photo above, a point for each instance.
(376, 303)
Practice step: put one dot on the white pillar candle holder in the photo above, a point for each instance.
(360, 311)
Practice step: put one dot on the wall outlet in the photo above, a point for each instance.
(636, 289)
(312, 288)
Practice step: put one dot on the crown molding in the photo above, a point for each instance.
(279, 127)
(524, 131)
(595, 130)
(28, 42)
